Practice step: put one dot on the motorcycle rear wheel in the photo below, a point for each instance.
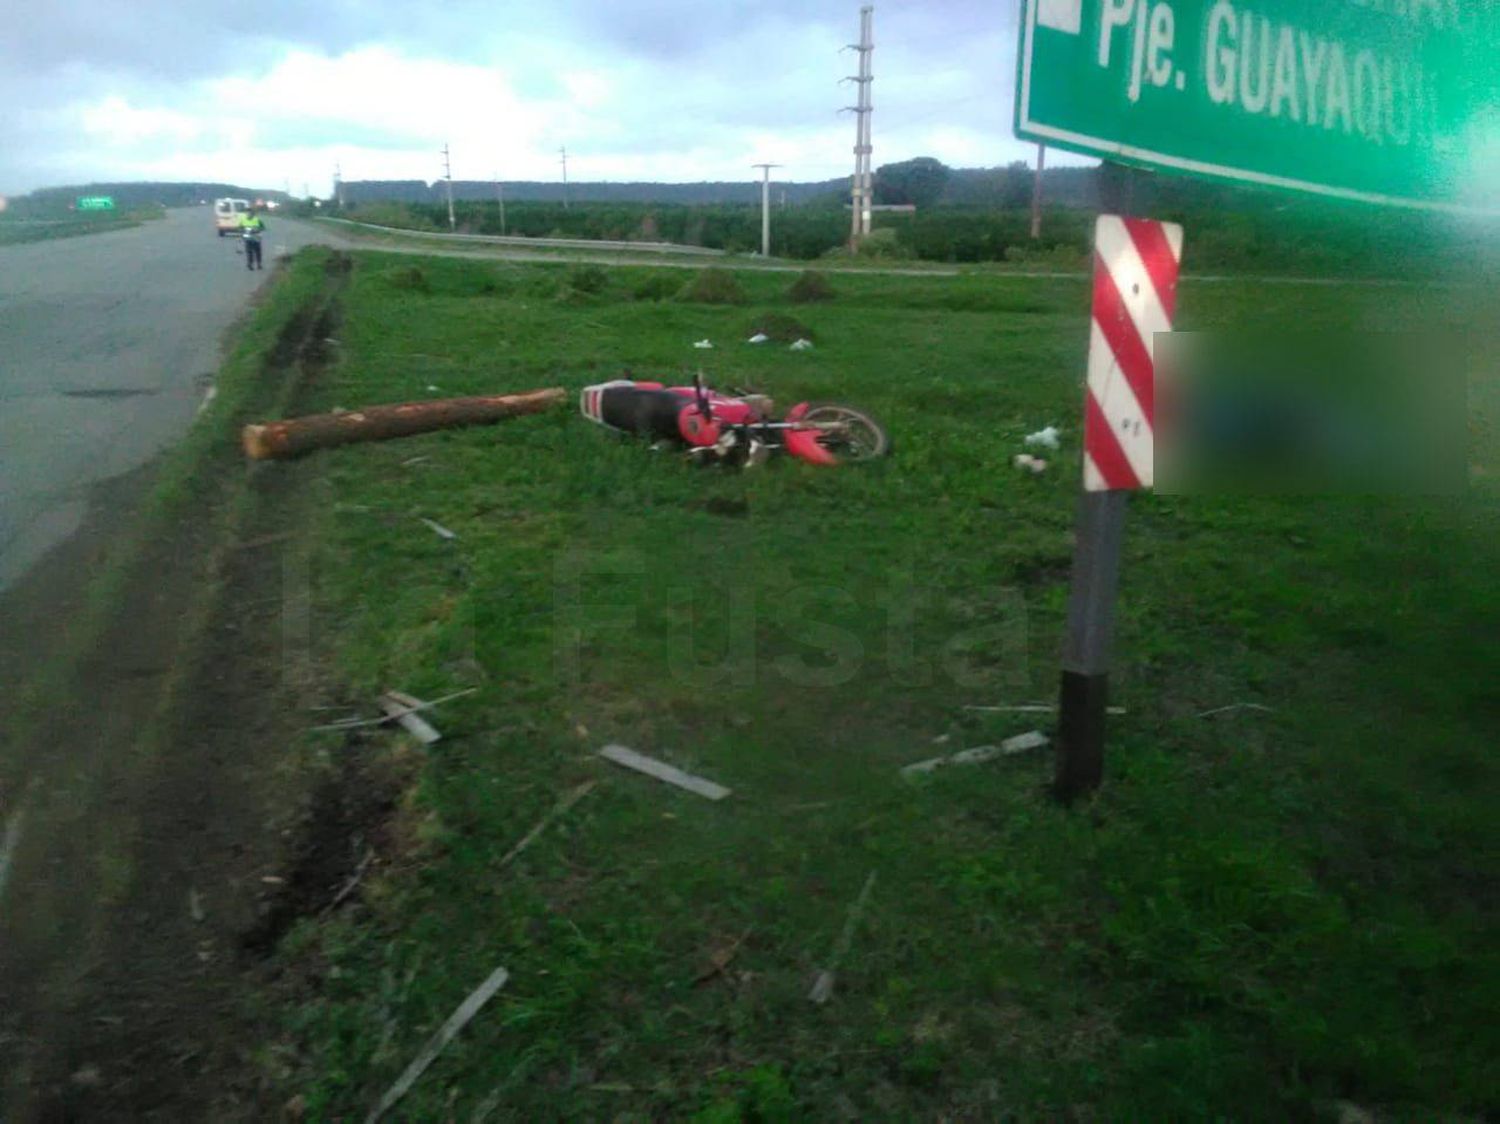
(845, 431)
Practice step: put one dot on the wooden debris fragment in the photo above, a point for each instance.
(568, 800)
(435, 1045)
(1236, 706)
(621, 755)
(263, 540)
(720, 959)
(348, 887)
(402, 710)
(1035, 739)
(439, 529)
(822, 987)
(1034, 708)
(356, 723)
(12, 839)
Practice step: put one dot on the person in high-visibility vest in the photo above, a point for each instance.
(252, 226)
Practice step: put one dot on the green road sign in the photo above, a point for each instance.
(1387, 101)
(96, 203)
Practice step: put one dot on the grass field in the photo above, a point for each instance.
(1264, 914)
(15, 231)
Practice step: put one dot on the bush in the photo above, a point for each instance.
(409, 277)
(884, 245)
(713, 286)
(1060, 256)
(498, 284)
(657, 287)
(780, 327)
(589, 279)
(810, 286)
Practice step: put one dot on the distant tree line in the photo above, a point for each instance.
(962, 215)
(53, 201)
(1277, 234)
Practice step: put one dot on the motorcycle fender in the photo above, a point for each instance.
(803, 443)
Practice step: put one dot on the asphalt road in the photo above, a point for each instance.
(108, 343)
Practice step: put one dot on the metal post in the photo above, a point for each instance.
(861, 193)
(765, 208)
(564, 151)
(1084, 690)
(448, 181)
(1036, 192)
(1085, 664)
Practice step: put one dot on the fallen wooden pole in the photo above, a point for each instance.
(291, 437)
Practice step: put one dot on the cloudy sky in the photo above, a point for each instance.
(274, 92)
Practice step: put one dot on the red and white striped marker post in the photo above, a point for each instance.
(1135, 296)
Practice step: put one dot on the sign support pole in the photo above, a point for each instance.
(1135, 283)
(1085, 665)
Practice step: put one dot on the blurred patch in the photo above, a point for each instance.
(1377, 412)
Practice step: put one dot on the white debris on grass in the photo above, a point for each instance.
(800, 345)
(759, 337)
(439, 529)
(1021, 743)
(1043, 438)
(704, 345)
(1028, 463)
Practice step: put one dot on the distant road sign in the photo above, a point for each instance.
(96, 203)
(1377, 100)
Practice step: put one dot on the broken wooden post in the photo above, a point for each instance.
(291, 437)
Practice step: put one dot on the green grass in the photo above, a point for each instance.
(16, 231)
(1261, 914)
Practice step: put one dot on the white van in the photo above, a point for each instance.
(227, 214)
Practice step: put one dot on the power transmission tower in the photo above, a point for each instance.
(765, 207)
(500, 199)
(448, 180)
(338, 184)
(1036, 192)
(564, 151)
(862, 194)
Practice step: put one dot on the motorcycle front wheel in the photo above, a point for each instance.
(848, 433)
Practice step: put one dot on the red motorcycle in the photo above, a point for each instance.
(736, 428)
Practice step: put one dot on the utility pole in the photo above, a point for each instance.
(862, 195)
(338, 184)
(765, 207)
(448, 180)
(564, 151)
(500, 199)
(1036, 192)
